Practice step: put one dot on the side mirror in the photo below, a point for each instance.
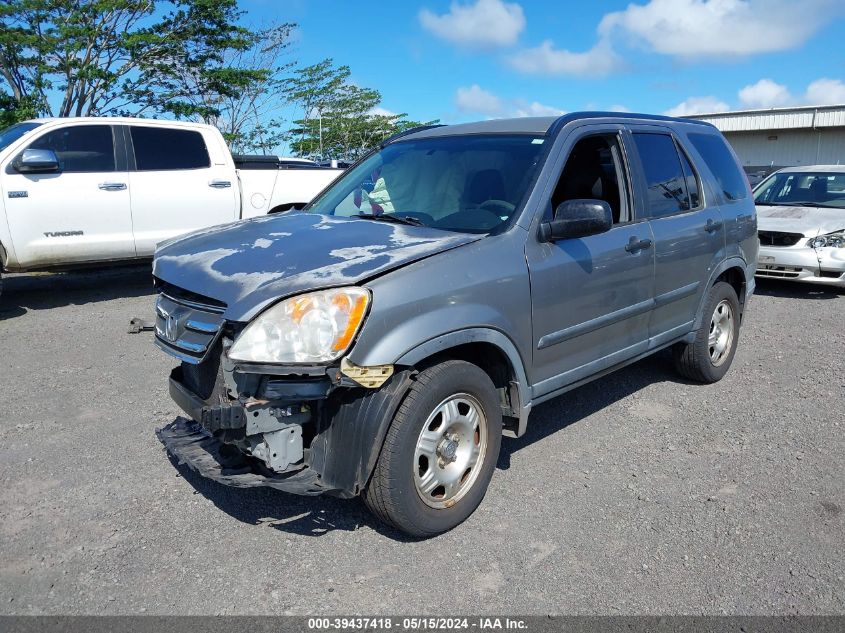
(577, 218)
(36, 161)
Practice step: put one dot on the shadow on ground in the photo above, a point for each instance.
(317, 516)
(796, 290)
(43, 291)
(294, 514)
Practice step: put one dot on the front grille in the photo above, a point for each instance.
(185, 328)
(779, 272)
(777, 238)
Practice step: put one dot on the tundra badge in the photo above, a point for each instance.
(63, 233)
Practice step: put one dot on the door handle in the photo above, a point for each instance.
(635, 245)
(220, 184)
(112, 186)
(712, 227)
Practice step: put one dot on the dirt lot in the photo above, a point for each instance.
(637, 494)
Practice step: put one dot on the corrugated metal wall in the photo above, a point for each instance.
(788, 148)
(777, 119)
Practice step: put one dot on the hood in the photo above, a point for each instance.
(809, 221)
(251, 264)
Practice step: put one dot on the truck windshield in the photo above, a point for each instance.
(803, 189)
(456, 183)
(12, 133)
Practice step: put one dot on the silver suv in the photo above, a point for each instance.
(382, 341)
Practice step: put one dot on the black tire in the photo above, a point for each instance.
(392, 493)
(695, 360)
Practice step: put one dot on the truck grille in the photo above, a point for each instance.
(777, 238)
(186, 328)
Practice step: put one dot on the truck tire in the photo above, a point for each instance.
(708, 358)
(440, 451)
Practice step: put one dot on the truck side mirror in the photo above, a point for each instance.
(577, 218)
(36, 161)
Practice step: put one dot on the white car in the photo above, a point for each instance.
(801, 224)
(90, 190)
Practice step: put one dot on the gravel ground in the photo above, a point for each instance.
(637, 494)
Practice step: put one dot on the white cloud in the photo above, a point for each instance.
(476, 99)
(825, 92)
(379, 111)
(616, 107)
(698, 105)
(545, 59)
(769, 94)
(534, 108)
(765, 94)
(720, 28)
(486, 23)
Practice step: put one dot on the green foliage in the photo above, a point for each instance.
(189, 59)
(340, 120)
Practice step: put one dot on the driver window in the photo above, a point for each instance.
(594, 171)
(80, 148)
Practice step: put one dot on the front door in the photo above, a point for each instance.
(77, 214)
(591, 296)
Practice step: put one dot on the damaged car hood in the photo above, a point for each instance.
(809, 221)
(249, 265)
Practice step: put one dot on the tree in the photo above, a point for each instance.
(340, 119)
(240, 92)
(97, 57)
(315, 89)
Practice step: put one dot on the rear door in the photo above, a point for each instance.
(179, 181)
(687, 234)
(78, 214)
(591, 296)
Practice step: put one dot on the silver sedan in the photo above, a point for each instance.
(801, 224)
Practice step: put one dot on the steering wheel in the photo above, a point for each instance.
(499, 207)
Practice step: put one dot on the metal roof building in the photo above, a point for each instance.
(784, 137)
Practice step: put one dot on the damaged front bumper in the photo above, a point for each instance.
(188, 442)
(802, 263)
(304, 434)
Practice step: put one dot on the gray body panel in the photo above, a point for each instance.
(251, 264)
(560, 312)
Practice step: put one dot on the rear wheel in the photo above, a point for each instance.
(440, 451)
(708, 358)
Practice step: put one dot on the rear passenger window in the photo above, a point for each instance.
(666, 185)
(715, 152)
(80, 148)
(163, 149)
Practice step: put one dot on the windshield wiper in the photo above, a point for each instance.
(396, 219)
(798, 204)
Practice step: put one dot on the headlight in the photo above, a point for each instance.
(317, 327)
(834, 240)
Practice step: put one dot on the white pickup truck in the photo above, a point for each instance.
(90, 190)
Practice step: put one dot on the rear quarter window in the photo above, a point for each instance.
(158, 149)
(719, 158)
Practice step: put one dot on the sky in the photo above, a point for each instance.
(466, 60)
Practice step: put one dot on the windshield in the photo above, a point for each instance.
(470, 184)
(14, 132)
(805, 188)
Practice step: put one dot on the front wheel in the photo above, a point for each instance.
(708, 358)
(440, 451)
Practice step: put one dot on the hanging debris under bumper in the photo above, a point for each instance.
(189, 444)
